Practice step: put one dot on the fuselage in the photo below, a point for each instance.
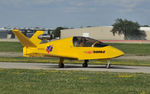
(80, 48)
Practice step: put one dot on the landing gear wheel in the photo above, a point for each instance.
(61, 65)
(85, 64)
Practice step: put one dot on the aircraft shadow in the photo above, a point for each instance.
(120, 67)
(100, 67)
(92, 66)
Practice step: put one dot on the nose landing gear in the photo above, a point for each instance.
(108, 64)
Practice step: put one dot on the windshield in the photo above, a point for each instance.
(87, 42)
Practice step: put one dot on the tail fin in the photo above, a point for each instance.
(35, 39)
(23, 39)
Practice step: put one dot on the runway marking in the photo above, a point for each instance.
(77, 67)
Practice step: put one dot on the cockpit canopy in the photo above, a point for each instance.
(87, 42)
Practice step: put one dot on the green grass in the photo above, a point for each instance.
(56, 60)
(136, 49)
(131, 62)
(15, 81)
(10, 47)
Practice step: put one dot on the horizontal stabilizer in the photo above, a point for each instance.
(23, 39)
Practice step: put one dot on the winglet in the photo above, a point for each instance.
(23, 39)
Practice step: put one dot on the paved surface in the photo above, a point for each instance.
(132, 57)
(10, 40)
(77, 67)
(11, 54)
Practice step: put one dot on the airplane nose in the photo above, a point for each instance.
(119, 52)
(116, 52)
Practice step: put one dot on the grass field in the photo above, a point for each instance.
(14, 81)
(136, 49)
(10, 47)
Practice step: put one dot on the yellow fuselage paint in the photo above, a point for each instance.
(64, 48)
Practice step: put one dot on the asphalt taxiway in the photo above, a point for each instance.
(76, 67)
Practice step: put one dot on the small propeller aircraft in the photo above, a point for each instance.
(77, 48)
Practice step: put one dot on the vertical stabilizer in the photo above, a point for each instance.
(35, 39)
(23, 39)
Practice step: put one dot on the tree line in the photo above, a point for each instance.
(130, 30)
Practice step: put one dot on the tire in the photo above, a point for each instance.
(84, 65)
(61, 65)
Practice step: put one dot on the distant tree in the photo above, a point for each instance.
(145, 26)
(89, 26)
(129, 29)
(138, 35)
(56, 32)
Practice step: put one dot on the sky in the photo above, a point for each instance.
(71, 13)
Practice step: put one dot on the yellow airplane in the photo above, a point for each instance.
(77, 47)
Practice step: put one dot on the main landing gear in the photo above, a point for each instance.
(85, 64)
(61, 64)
